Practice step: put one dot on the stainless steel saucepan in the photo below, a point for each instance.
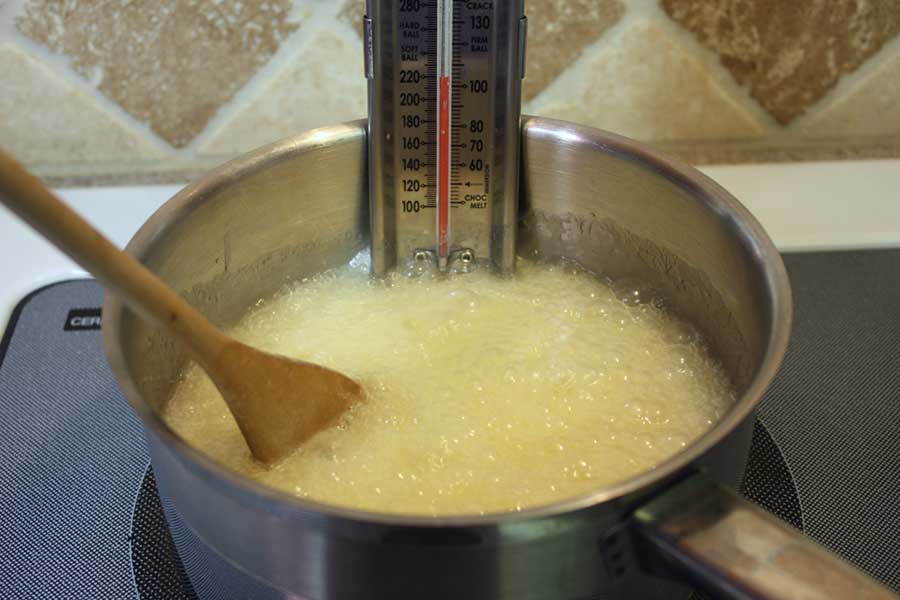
(299, 206)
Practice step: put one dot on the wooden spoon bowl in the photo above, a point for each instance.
(278, 402)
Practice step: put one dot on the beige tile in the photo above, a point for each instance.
(871, 107)
(47, 119)
(352, 13)
(789, 52)
(646, 85)
(323, 85)
(171, 64)
(558, 32)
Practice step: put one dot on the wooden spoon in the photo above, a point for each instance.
(278, 402)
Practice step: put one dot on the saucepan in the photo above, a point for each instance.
(300, 206)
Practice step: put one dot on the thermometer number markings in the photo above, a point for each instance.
(444, 106)
(442, 147)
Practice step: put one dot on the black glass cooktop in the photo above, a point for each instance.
(80, 516)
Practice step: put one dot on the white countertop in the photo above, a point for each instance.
(803, 206)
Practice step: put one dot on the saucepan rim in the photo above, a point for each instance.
(701, 187)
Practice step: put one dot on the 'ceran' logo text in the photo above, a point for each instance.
(81, 319)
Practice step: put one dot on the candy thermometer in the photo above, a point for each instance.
(444, 107)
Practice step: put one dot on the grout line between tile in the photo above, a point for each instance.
(59, 65)
(847, 84)
(608, 37)
(712, 64)
(649, 10)
(322, 17)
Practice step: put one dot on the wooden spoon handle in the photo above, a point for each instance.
(30, 199)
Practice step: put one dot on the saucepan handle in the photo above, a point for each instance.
(730, 548)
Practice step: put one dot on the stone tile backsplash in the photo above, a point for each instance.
(789, 53)
(94, 89)
(171, 65)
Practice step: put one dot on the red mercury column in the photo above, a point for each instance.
(444, 149)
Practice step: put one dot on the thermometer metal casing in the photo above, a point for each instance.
(444, 112)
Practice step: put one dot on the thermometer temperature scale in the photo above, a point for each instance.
(444, 108)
